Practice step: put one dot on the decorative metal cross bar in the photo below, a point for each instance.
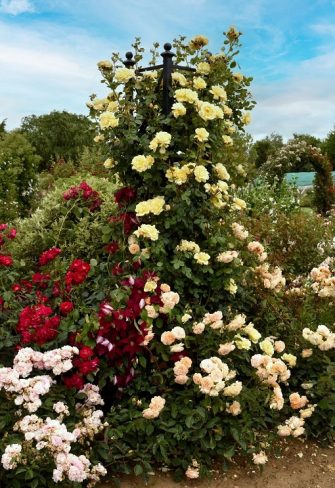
(167, 69)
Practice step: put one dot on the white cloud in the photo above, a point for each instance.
(303, 102)
(16, 7)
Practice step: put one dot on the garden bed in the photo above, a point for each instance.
(302, 465)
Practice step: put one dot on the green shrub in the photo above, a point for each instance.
(18, 168)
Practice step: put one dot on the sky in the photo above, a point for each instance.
(49, 50)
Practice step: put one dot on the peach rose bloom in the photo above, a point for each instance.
(167, 338)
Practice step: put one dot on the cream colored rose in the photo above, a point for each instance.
(267, 347)
(246, 118)
(202, 258)
(147, 231)
(109, 163)
(186, 95)
(201, 134)
(207, 111)
(199, 83)
(221, 171)
(123, 75)
(161, 141)
(107, 120)
(178, 109)
(201, 174)
(228, 141)
(179, 78)
(141, 163)
(203, 68)
(218, 92)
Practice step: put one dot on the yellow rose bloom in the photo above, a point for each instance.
(112, 106)
(208, 111)
(201, 174)
(201, 134)
(186, 95)
(147, 232)
(99, 103)
(109, 163)
(154, 205)
(227, 140)
(123, 75)
(246, 118)
(150, 285)
(227, 110)
(179, 78)
(238, 77)
(99, 138)
(188, 246)
(161, 140)
(198, 42)
(177, 175)
(108, 119)
(239, 204)
(202, 258)
(151, 75)
(267, 347)
(203, 68)
(221, 171)
(141, 163)
(242, 342)
(231, 287)
(199, 83)
(178, 109)
(218, 92)
(104, 64)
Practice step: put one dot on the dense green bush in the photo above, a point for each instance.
(18, 168)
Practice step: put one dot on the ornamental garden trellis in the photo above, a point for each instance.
(166, 75)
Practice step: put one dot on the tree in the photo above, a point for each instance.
(2, 127)
(58, 135)
(266, 147)
(329, 146)
(18, 165)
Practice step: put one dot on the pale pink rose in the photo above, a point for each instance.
(197, 378)
(279, 346)
(167, 338)
(260, 458)
(180, 369)
(226, 348)
(297, 402)
(198, 328)
(206, 384)
(181, 379)
(134, 248)
(234, 408)
(192, 473)
(284, 430)
(165, 287)
(186, 361)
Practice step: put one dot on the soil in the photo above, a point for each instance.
(300, 465)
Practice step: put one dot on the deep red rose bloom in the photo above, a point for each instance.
(6, 260)
(77, 272)
(3, 227)
(117, 269)
(130, 222)
(12, 234)
(74, 381)
(41, 280)
(86, 352)
(16, 287)
(87, 367)
(48, 256)
(66, 307)
(124, 196)
(112, 247)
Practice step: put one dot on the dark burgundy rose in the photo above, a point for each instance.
(66, 308)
